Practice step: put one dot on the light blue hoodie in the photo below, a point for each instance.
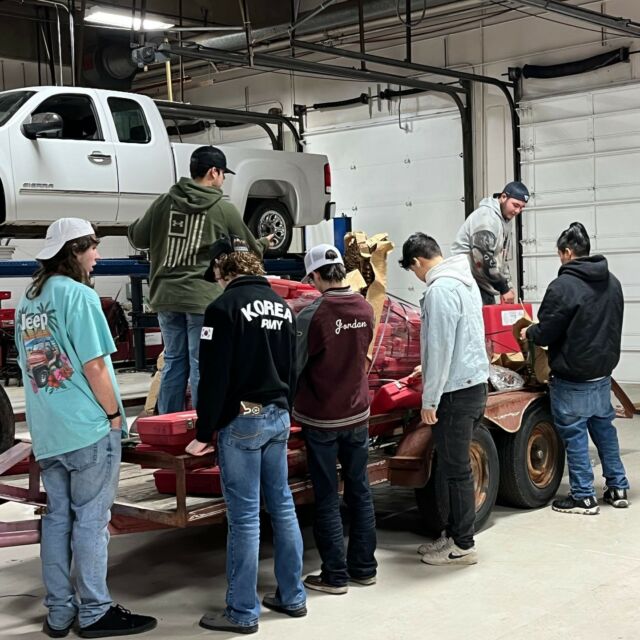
(454, 354)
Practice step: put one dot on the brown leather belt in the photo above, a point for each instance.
(250, 408)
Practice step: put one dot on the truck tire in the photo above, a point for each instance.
(531, 460)
(7, 422)
(432, 499)
(272, 216)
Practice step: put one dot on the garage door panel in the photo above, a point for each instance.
(397, 182)
(557, 175)
(617, 169)
(542, 227)
(554, 109)
(619, 99)
(617, 227)
(603, 189)
(631, 327)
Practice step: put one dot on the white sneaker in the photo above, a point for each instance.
(437, 545)
(451, 554)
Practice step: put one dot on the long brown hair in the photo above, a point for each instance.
(64, 263)
(240, 263)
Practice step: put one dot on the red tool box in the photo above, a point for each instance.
(498, 320)
(173, 429)
(405, 393)
(200, 482)
(206, 481)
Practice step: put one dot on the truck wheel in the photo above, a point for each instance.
(7, 422)
(432, 499)
(272, 216)
(531, 460)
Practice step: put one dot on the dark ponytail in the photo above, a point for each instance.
(576, 239)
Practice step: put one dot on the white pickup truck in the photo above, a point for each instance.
(106, 155)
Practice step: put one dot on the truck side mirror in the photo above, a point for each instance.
(43, 125)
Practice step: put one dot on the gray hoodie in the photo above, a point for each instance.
(485, 237)
(453, 350)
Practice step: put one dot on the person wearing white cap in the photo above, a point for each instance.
(332, 405)
(74, 413)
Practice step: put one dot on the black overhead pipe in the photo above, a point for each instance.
(575, 67)
(451, 73)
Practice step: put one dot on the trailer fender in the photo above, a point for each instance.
(506, 408)
(411, 466)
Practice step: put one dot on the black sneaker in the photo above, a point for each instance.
(55, 633)
(271, 601)
(118, 621)
(616, 497)
(220, 622)
(318, 584)
(585, 506)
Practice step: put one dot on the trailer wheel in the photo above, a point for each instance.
(531, 460)
(272, 216)
(432, 499)
(7, 422)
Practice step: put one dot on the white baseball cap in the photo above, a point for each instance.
(316, 257)
(62, 231)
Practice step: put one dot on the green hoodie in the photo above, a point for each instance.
(178, 229)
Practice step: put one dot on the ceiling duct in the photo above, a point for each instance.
(333, 17)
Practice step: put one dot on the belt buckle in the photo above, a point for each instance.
(250, 408)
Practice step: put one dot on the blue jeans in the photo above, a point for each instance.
(581, 409)
(81, 487)
(252, 452)
(350, 447)
(181, 337)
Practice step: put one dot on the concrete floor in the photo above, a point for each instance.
(541, 575)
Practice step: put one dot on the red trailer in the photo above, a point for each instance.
(516, 455)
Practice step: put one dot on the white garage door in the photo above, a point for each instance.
(581, 155)
(396, 181)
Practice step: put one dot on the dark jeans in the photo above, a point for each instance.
(351, 448)
(458, 413)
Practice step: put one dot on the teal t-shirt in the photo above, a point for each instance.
(57, 333)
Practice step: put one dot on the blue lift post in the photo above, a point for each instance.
(137, 270)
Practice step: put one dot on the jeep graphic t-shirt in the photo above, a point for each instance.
(57, 333)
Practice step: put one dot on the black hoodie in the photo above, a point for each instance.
(247, 352)
(580, 320)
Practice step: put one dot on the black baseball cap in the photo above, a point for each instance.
(515, 190)
(207, 157)
(222, 247)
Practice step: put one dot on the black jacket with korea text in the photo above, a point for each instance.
(247, 353)
(580, 320)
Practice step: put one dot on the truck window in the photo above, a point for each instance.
(11, 102)
(130, 120)
(77, 113)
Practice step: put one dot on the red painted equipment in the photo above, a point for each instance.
(498, 320)
(173, 429)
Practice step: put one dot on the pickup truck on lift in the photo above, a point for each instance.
(106, 155)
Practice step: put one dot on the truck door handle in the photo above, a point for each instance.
(99, 158)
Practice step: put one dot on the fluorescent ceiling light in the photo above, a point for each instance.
(107, 17)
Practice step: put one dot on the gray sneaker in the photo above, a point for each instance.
(437, 545)
(451, 554)
(318, 584)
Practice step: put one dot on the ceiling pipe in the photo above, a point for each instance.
(624, 25)
(333, 17)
